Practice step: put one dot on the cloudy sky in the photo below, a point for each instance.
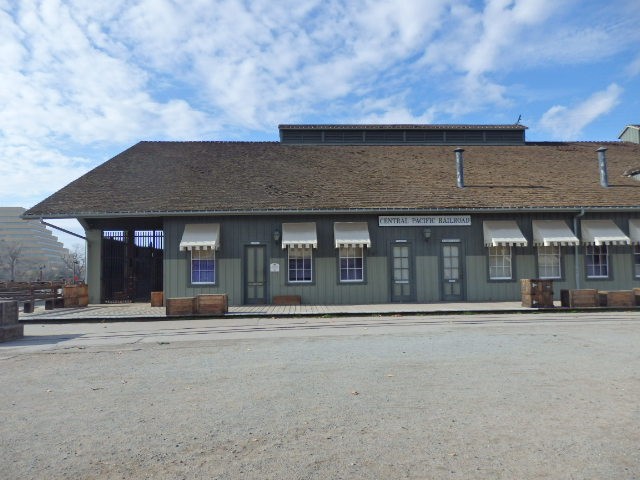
(82, 80)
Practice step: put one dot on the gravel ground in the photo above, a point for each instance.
(440, 401)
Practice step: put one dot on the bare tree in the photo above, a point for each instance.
(75, 261)
(11, 253)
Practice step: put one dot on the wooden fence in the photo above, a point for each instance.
(29, 292)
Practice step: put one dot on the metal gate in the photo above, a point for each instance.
(131, 265)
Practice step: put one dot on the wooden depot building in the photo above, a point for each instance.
(357, 214)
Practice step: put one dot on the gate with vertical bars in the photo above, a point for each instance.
(131, 265)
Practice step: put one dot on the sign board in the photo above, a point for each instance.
(424, 220)
(274, 267)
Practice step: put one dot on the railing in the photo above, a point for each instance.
(30, 292)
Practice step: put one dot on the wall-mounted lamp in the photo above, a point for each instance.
(426, 233)
(276, 235)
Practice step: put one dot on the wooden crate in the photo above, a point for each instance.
(582, 298)
(157, 299)
(533, 286)
(636, 293)
(602, 298)
(83, 294)
(621, 298)
(539, 300)
(180, 306)
(287, 300)
(70, 295)
(75, 295)
(212, 304)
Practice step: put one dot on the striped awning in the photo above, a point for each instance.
(300, 235)
(548, 233)
(503, 233)
(602, 232)
(200, 236)
(634, 231)
(351, 234)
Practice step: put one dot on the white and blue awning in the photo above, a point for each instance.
(602, 232)
(299, 235)
(547, 233)
(499, 233)
(634, 231)
(200, 236)
(351, 234)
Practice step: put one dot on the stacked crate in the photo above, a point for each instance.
(203, 304)
(617, 298)
(536, 293)
(579, 298)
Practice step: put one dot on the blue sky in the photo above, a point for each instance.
(84, 79)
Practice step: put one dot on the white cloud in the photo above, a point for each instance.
(78, 75)
(633, 69)
(566, 123)
(30, 172)
(255, 60)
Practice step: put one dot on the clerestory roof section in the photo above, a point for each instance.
(403, 134)
(175, 178)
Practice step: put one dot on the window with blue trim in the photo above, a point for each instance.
(203, 266)
(597, 261)
(300, 264)
(351, 264)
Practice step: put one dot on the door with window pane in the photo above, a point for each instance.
(402, 288)
(255, 274)
(452, 287)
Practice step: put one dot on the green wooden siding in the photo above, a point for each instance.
(239, 231)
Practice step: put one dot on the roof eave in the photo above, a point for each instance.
(387, 210)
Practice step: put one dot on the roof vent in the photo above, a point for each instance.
(459, 167)
(602, 163)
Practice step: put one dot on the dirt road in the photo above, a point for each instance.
(532, 399)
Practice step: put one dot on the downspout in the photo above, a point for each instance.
(576, 253)
(62, 230)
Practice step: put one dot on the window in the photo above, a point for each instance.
(400, 264)
(300, 270)
(549, 262)
(203, 266)
(500, 263)
(351, 264)
(597, 261)
(636, 261)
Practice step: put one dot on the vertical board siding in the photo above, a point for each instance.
(428, 278)
(238, 231)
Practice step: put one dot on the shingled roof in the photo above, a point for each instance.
(171, 178)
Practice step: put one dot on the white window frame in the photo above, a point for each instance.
(636, 261)
(549, 258)
(503, 258)
(351, 253)
(593, 252)
(198, 253)
(299, 253)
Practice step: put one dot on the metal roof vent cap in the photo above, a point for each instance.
(459, 167)
(602, 163)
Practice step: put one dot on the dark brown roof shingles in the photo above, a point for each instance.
(164, 177)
